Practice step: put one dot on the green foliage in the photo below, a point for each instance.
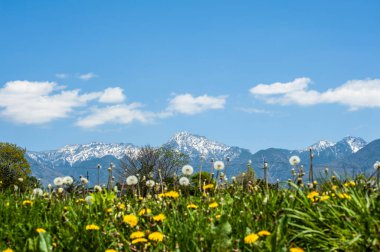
(14, 168)
(341, 216)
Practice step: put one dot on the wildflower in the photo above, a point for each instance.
(218, 216)
(324, 197)
(294, 160)
(60, 190)
(219, 165)
(376, 165)
(251, 238)
(120, 206)
(27, 202)
(68, 180)
(315, 183)
(8, 250)
(187, 170)
(40, 230)
(132, 180)
(159, 217)
(296, 250)
(192, 206)
(110, 250)
(184, 181)
(115, 189)
(150, 183)
(145, 211)
(80, 201)
(20, 179)
(89, 199)
(131, 220)
(38, 191)
(137, 234)
(92, 227)
(334, 187)
(313, 195)
(109, 210)
(84, 181)
(170, 194)
(352, 183)
(344, 196)
(156, 236)
(213, 205)
(49, 186)
(139, 240)
(263, 233)
(58, 181)
(97, 188)
(209, 186)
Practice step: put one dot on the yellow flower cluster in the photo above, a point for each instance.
(209, 186)
(192, 206)
(159, 217)
(156, 236)
(170, 194)
(349, 184)
(137, 234)
(131, 220)
(296, 250)
(27, 202)
(92, 227)
(213, 205)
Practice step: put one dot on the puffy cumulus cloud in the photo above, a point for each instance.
(87, 76)
(190, 105)
(33, 102)
(112, 95)
(117, 114)
(39, 102)
(280, 87)
(355, 94)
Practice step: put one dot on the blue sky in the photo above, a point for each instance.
(255, 74)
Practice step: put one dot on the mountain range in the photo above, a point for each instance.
(349, 156)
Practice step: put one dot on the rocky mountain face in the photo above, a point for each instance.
(77, 159)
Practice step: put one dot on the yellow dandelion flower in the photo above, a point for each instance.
(109, 210)
(27, 202)
(251, 238)
(8, 250)
(131, 220)
(139, 240)
(40, 230)
(352, 183)
(159, 217)
(192, 206)
(263, 233)
(217, 216)
(209, 186)
(110, 250)
(213, 205)
(172, 194)
(296, 250)
(92, 227)
(324, 197)
(80, 201)
(156, 236)
(144, 211)
(344, 196)
(334, 187)
(120, 206)
(137, 234)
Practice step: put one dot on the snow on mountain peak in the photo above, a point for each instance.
(321, 145)
(355, 143)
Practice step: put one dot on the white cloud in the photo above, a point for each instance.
(187, 104)
(87, 76)
(119, 114)
(61, 75)
(355, 94)
(255, 111)
(112, 95)
(39, 102)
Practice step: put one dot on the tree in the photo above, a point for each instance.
(153, 163)
(14, 168)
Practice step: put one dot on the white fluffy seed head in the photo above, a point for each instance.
(184, 181)
(132, 180)
(38, 192)
(187, 170)
(150, 183)
(218, 165)
(97, 188)
(84, 181)
(58, 181)
(294, 160)
(376, 165)
(68, 180)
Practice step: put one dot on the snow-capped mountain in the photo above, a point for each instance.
(78, 159)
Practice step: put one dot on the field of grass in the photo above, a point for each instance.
(335, 215)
